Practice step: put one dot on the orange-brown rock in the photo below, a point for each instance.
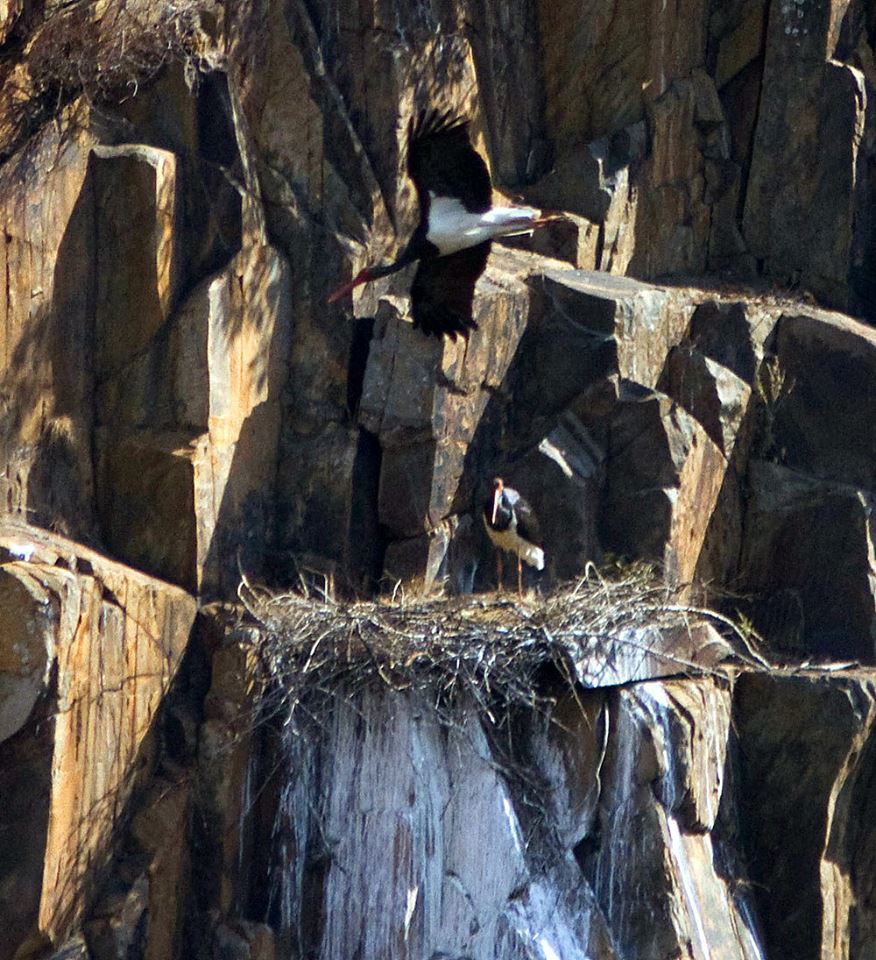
(227, 757)
(814, 90)
(48, 378)
(188, 486)
(822, 420)
(108, 641)
(180, 186)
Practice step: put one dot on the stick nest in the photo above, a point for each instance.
(495, 648)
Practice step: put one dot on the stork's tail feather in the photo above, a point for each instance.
(534, 556)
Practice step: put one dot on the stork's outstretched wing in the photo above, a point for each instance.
(442, 293)
(442, 161)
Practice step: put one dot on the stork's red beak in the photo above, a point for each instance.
(497, 493)
(362, 277)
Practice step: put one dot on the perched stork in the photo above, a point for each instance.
(512, 526)
(457, 223)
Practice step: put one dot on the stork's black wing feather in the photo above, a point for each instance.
(442, 293)
(527, 522)
(442, 160)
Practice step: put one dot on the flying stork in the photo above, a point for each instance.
(511, 525)
(457, 224)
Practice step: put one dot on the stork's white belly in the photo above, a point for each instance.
(453, 228)
(511, 541)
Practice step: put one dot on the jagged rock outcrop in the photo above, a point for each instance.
(155, 256)
(661, 373)
(815, 736)
(618, 821)
(90, 649)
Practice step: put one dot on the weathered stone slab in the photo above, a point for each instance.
(733, 333)
(809, 558)
(595, 80)
(691, 723)
(737, 30)
(418, 561)
(160, 830)
(455, 881)
(630, 324)
(718, 564)
(47, 376)
(327, 505)
(663, 477)
(800, 213)
(27, 652)
(823, 420)
(398, 396)
(137, 269)
(400, 795)
(806, 774)
(112, 639)
(567, 745)
(656, 865)
(673, 220)
(146, 501)
(226, 745)
(141, 908)
(714, 395)
(418, 485)
(189, 483)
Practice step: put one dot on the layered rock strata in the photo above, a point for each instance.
(662, 374)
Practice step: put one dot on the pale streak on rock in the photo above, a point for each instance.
(663, 887)
(412, 806)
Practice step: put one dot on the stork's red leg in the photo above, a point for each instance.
(519, 576)
(499, 570)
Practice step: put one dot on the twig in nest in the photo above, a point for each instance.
(492, 649)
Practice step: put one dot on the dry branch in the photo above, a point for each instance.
(102, 52)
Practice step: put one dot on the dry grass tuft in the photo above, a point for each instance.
(103, 52)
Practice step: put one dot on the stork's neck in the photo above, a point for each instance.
(406, 257)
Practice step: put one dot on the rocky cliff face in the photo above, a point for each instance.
(682, 372)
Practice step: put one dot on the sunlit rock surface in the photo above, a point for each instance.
(660, 373)
(89, 650)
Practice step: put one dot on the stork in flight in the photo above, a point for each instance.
(457, 224)
(512, 526)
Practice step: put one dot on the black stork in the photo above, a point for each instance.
(457, 224)
(511, 525)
